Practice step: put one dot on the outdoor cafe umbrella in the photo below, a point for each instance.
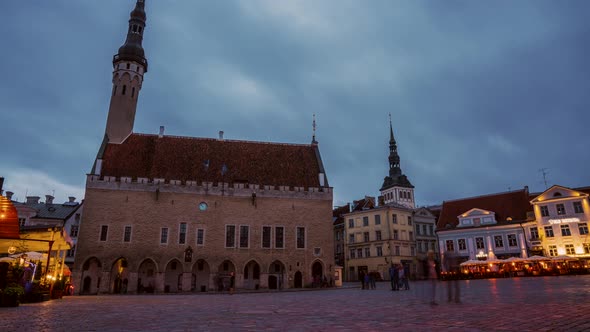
(7, 259)
(31, 255)
(563, 258)
(514, 260)
(472, 262)
(538, 258)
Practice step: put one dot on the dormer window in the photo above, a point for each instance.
(466, 222)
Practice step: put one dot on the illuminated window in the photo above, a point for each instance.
(377, 219)
(378, 235)
(266, 236)
(560, 209)
(534, 233)
(182, 233)
(565, 230)
(479, 244)
(279, 237)
(583, 228)
(569, 249)
(366, 236)
(394, 218)
(244, 236)
(367, 252)
(163, 235)
(498, 241)
(379, 251)
(462, 244)
(200, 237)
(512, 240)
(104, 230)
(365, 221)
(544, 211)
(230, 236)
(450, 245)
(553, 250)
(578, 207)
(549, 231)
(127, 234)
(300, 237)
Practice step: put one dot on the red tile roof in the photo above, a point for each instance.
(184, 158)
(514, 204)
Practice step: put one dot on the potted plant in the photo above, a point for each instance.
(11, 295)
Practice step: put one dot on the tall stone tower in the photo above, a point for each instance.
(129, 65)
(396, 187)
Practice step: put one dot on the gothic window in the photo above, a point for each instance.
(200, 237)
(124, 89)
(244, 236)
(182, 233)
(164, 235)
(230, 236)
(300, 237)
(279, 237)
(266, 236)
(127, 234)
(132, 92)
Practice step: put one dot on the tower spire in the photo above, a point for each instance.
(313, 141)
(129, 65)
(396, 187)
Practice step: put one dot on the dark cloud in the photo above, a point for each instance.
(482, 94)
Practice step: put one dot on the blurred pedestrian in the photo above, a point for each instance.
(451, 264)
(433, 276)
(406, 269)
(366, 279)
(392, 273)
(232, 283)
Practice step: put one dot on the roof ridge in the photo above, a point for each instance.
(226, 140)
(486, 195)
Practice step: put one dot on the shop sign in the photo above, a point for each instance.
(564, 220)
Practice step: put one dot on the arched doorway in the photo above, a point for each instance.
(224, 272)
(251, 275)
(119, 276)
(146, 276)
(276, 275)
(200, 276)
(298, 282)
(91, 270)
(317, 273)
(173, 277)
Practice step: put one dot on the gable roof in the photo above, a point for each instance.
(559, 192)
(513, 204)
(50, 211)
(203, 159)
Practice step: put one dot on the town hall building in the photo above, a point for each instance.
(187, 214)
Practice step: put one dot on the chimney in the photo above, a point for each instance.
(72, 199)
(161, 132)
(33, 199)
(9, 195)
(221, 135)
(526, 189)
(48, 199)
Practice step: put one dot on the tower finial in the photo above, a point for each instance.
(391, 139)
(313, 141)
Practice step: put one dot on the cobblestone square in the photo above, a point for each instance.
(514, 304)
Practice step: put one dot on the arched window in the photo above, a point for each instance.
(132, 92)
(124, 89)
(114, 90)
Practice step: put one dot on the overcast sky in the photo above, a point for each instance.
(483, 94)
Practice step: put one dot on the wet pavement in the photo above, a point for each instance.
(514, 304)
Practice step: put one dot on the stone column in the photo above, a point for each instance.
(186, 282)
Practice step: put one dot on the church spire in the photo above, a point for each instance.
(129, 65)
(313, 141)
(396, 187)
(394, 167)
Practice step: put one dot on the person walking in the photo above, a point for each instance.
(451, 264)
(406, 269)
(392, 273)
(401, 276)
(367, 281)
(395, 278)
(232, 283)
(432, 276)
